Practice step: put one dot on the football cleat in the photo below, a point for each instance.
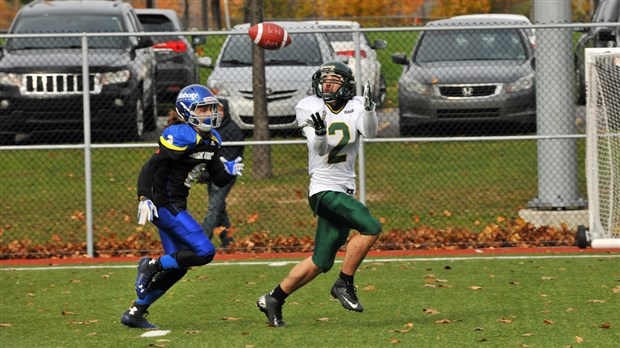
(272, 309)
(135, 317)
(147, 269)
(347, 296)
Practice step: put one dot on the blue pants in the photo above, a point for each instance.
(182, 232)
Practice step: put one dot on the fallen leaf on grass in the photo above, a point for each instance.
(547, 278)
(91, 334)
(606, 326)
(503, 320)
(5, 325)
(409, 325)
(430, 311)
(549, 321)
(597, 301)
(444, 321)
(578, 339)
(528, 334)
(67, 313)
(474, 287)
(230, 318)
(394, 340)
(369, 288)
(616, 290)
(399, 330)
(323, 319)
(192, 331)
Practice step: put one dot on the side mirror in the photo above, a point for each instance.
(379, 44)
(144, 41)
(198, 40)
(400, 58)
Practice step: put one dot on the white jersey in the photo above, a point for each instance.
(334, 169)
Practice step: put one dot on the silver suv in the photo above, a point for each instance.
(288, 74)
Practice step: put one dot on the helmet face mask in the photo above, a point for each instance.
(197, 106)
(330, 73)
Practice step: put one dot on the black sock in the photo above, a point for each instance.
(347, 278)
(278, 294)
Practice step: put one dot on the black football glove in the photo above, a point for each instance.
(319, 124)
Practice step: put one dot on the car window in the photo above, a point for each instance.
(437, 46)
(342, 36)
(607, 11)
(157, 23)
(306, 51)
(68, 24)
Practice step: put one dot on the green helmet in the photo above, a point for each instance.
(345, 92)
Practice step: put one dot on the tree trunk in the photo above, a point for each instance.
(261, 160)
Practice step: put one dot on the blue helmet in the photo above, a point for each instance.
(192, 97)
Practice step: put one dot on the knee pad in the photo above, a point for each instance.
(187, 258)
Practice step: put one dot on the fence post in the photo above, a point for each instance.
(87, 148)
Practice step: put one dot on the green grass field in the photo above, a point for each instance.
(549, 300)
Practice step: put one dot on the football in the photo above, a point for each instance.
(269, 36)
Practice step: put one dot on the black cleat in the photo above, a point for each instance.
(272, 309)
(346, 294)
(147, 269)
(135, 317)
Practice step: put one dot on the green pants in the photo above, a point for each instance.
(338, 214)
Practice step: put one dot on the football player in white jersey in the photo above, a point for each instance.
(333, 120)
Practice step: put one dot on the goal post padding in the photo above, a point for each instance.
(602, 68)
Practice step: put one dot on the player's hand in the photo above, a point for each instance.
(233, 167)
(369, 104)
(318, 123)
(146, 211)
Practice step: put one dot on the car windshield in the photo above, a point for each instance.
(304, 50)
(459, 45)
(68, 24)
(341, 36)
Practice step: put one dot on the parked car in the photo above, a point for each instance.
(288, 74)
(607, 11)
(344, 45)
(177, 63)
(460, 77)
(41, 82)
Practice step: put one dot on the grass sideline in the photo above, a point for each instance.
(549, 300)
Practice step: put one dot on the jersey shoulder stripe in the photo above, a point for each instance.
(216, 137)
(179, 137)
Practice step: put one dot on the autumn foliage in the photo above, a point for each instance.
(505, 233)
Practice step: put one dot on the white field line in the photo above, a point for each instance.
(368, 260)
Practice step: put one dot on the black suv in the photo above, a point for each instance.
(607, 11)
(41, 82)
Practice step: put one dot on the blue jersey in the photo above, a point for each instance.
(181, 149)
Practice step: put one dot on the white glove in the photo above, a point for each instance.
(369, 104)
(233, 167)
(146, 211)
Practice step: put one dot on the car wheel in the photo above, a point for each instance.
(7, 139)
(382, 92)
(150, 118)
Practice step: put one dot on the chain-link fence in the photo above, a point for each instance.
(477, 125)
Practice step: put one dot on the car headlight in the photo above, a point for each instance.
(10, 79)
(522, 84)
(115, 77)
(414, 86)
(218, 87)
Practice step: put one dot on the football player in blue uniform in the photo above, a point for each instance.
(188, 144)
